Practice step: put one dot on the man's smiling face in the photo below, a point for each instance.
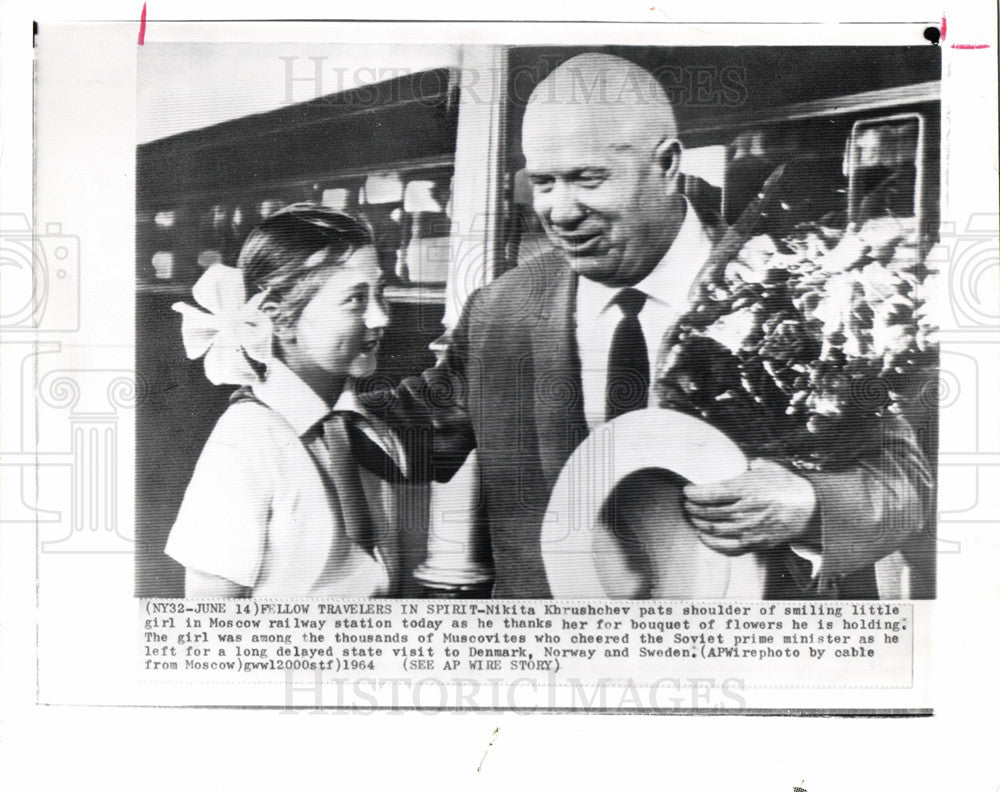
(604, 178)
(603, 207)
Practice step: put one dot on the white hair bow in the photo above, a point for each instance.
(229, 330)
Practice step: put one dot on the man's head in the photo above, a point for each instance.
(600, 144)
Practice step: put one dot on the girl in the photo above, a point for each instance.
(277, 506)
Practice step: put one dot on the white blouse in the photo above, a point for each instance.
(260, 512)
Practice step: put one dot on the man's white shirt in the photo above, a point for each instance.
(666, 289)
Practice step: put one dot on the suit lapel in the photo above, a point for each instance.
(558, 388)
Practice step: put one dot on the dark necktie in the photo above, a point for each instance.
(350, 449)
(627, 385)
(342, 469)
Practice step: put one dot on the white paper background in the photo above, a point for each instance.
(85, 173)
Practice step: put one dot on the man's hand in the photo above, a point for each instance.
(768, 505)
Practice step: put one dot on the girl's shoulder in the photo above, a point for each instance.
(253, 428)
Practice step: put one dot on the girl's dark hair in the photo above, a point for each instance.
(279, 256)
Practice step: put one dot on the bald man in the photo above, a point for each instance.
(563, 342)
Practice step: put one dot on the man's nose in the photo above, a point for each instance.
(376, 315)
(563, 207)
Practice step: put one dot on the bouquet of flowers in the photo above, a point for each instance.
(797, 348)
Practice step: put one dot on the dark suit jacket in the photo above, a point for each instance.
(510, 386)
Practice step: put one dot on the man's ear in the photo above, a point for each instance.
(668, 159)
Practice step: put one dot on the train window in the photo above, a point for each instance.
(336, 198)
(814, 187)
(163, 264)
(219, 214)
(426, 250)
(383, 188)
(423, 196)
(885, 167)
(165, 218)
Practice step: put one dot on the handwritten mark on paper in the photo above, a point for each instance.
(493, 738)
(944, 33)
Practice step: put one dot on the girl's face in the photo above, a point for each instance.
(339, 330)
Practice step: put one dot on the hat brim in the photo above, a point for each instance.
(615, 527)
